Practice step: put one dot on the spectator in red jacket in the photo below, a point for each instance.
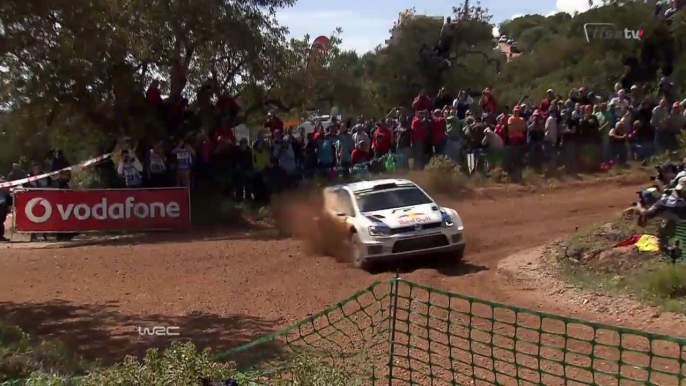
(488, 102)
(359, 154)
(421, 125)
(153, 95)
(439, 135)
(422, 102)
(545, 104)
(382, 141)
(273, 123)
(227, 106)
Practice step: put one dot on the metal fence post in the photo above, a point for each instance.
(392, 320)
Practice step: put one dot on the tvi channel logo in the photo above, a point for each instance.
(608, 31)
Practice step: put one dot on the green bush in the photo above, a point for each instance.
(666, 282)
(26, 361)
(21, 355)
(443, 176)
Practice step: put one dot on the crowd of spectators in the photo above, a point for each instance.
(579, 132)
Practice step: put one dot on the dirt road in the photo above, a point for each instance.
(226, 289)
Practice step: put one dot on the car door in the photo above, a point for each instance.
(340, 206)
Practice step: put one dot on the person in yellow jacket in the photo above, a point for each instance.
(260, 161)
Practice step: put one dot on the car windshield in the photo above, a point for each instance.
(390, 199)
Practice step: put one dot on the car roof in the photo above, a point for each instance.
(362, 186)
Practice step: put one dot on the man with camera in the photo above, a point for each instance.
(5, 204)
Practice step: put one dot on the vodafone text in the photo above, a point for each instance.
(41, 210)
(101, 211)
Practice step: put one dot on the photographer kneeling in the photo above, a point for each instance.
(672, 204)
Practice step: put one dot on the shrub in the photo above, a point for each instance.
(443, 176)
(181, 364)
(21, 355)
(49, 363)
(666, 282)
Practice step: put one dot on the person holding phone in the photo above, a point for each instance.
(130, 169)
(184, 160)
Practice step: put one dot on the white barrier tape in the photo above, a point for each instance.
(23, 181)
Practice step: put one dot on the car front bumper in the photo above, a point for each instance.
(412, 244)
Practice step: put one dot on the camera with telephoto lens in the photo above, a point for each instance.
(659, 177)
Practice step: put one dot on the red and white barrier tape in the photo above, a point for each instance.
(23, 181)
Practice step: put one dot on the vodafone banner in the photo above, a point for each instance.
(53, 210)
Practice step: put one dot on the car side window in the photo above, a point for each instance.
(345, 203)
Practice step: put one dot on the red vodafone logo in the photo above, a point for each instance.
(35, 215)
(39, 210)
(54, 210)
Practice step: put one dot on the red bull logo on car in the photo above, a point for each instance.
(413, 218)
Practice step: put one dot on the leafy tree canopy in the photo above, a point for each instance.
(74, 72)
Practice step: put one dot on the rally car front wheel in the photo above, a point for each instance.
(355, 251)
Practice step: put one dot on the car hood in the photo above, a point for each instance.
(407, 216)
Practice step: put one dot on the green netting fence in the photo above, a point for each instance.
(401, 333)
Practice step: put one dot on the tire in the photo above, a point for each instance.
(356, 253)
(453, 257)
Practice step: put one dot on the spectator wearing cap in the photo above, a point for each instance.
(493, 142)
(546, 102)
(517, 129)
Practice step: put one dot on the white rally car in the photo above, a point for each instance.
(391, 219)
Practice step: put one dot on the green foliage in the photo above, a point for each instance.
(77, 70)
(666, 282)
(21, 356)
(50, 363)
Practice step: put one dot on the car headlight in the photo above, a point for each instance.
(447, 220)
(379, 230)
